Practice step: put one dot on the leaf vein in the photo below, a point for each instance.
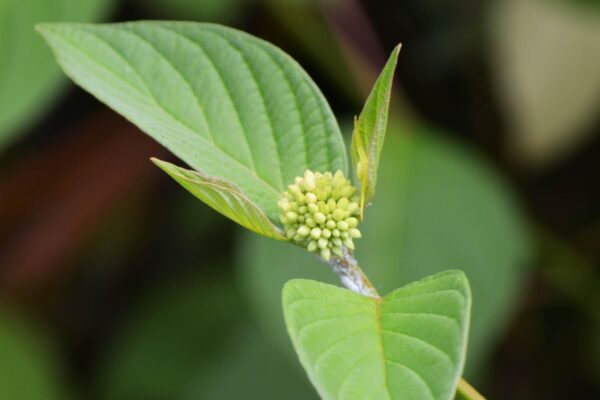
(414, 374)
(316, 322)
(426, 343)
(160, 106)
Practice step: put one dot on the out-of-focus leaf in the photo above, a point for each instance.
(369, 131)
(173, 333)
(438, 207)
(199, 10)
(29, 77)
(546, 54)
(228, 104)
(191, 339)
(409, 344)
(29, 369)
(248, 368)
(223, 197)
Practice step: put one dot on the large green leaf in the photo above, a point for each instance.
(29, 76)
(438, 207)
(224, 198)
(190, 338)
(29, 367)
(369, 131)
(409, 344)
(230, 105)
(170, 335)
(249, 369)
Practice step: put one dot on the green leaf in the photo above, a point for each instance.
(29, 77)
(29, 366)
(171, 334)
(189, 338)
(409, 344)
(228, 104)
(223, 197)
(439, 206)
(258, 372)
(369, 131)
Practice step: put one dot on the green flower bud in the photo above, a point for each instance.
(315, 233)
(342, 226)
(343, 203)
(322, 243)
(331, 204)
(349, 243)
(303, 230)
(291, 216)
(318, 211)
(338, 214)
(355, 233)
(320, 218)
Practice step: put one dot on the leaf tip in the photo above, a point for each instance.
(157, 161)
(42, 28)
(394, 56)
(161, 164)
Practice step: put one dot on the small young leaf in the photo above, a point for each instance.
(369, 131)
(408, 345)
(223, 197)
(228, 104)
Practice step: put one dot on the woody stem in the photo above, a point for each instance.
(351, 274)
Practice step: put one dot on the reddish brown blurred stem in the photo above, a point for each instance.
(356, 39)
(51, 200)
(365, 57)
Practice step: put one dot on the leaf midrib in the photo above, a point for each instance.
(385, 360)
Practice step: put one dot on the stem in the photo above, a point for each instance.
(467, 392)
(351, 275)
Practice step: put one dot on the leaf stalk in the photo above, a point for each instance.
(464, 391)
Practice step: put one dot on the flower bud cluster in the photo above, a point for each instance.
(318, 212)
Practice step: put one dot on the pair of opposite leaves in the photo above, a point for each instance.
(248, 119)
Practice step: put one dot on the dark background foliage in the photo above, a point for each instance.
(117, 284)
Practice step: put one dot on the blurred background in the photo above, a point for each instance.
(115, 283)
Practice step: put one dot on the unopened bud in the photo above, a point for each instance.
(319, 212)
